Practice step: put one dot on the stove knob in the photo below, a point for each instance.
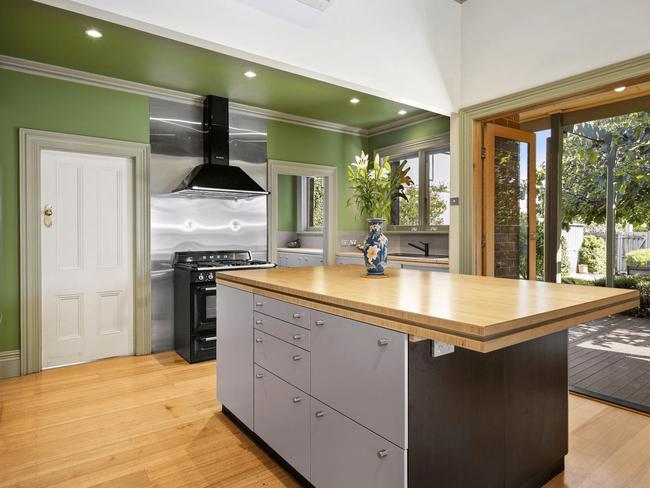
(210, 276)
(201, 277)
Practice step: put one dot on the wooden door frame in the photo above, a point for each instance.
(277, 168)
(32, 143)
(466, 229)
(488, 204)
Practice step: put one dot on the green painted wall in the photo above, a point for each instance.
(35, 102)
(417, 131)
(288, 142)
(287, 203)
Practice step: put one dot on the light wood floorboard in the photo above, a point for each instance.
(153, 421)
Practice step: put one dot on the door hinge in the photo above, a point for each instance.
(483, 153)
(483, 241)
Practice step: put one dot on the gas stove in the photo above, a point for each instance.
(204, 264)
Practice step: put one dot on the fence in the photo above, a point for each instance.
(625, 242)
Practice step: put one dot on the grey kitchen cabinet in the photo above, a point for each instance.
(345, 454)
(282, 330)
(235, 352)
(289, 362)
(291, 259)
(361, 371)
(294, 314)
(282, 419)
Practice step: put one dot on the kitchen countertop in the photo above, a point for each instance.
(474, 312)
(302, 250)
(426, 261)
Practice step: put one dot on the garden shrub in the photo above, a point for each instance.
(638, 259)
(630, 282)
(565, 264)
(592, 253)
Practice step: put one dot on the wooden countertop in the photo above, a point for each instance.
(431, 262)
(475, 312)
(301, 250)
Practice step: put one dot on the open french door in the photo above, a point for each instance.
(509, 203)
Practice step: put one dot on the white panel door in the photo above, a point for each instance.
(86, 257)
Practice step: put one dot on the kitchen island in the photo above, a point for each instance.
(415, 379)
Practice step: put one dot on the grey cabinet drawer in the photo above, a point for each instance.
(361, 371)
(345, 454)
(282, 418)
(235, 352)
(284, 360)
(294, 314)
(282, 330)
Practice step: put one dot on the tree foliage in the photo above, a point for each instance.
(584, 173)
(409, 210)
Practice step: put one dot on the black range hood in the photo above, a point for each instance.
(215, 177)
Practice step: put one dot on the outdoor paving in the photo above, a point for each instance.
(610, 358)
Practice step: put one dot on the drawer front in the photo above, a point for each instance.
(282, 418)
(361, 371)
(284, 360)
(294, 314)
(345, 454)
(282, 330)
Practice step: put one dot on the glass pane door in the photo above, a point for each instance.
(509, 221)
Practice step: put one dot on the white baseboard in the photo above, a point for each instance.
(9, 364)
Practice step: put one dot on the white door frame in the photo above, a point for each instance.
(32, 142)
(277, 168)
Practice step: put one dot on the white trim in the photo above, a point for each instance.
(9, 364)
(32, 142)
(438, 141)
(276, 168)
(92, 79)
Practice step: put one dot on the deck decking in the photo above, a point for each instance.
(610, 359)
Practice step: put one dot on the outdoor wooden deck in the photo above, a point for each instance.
(610, 359)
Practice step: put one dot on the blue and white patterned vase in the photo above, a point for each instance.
(375, 249)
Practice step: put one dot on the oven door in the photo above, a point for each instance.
(205, 308)
(204, 348)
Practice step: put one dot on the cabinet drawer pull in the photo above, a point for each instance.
(259, 375)
(259, 321)
(382, 453)
(297, 399)
(319, 414)
(297, 357)
(259, 304)
(383, 342)
(297, 337)
(259, 339)
(320, 322)
(297, 315)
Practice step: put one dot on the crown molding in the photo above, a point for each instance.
(102, 81)
(435, 142)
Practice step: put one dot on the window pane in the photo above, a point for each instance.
(407, 212)
(439, 168)
(315, 202)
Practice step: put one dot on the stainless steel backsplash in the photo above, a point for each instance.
(197, 223)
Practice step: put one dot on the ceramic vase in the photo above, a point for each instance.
(375, 248)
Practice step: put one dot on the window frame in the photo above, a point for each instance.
(303, 212)
(420, 148)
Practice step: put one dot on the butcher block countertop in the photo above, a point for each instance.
(474, 312)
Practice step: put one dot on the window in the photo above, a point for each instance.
(311, 199)
(427, 207)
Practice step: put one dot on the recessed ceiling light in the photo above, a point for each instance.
(620, 89)
(94, 33)
(250, 74)
(402, 112)
(354, 101)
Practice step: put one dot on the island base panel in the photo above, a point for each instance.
(496, 419)
(266, 448)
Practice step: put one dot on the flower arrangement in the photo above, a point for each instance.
(376, 184)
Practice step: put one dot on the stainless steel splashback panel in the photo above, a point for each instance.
(184, 223)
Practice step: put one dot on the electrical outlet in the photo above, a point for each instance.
(353, 242)
(345, 242)
(440, 348)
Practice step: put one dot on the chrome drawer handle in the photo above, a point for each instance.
(259, 339)
(383, 342)
(319, 414)
(259, 304)
(320, 322)
(297, 315)
(382, 453)
(259, 375)
(297, 337)
(297, 399)
(297, 357)
(259, 321)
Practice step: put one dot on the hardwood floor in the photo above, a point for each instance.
(153, 421)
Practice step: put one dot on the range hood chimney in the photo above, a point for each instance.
(215, 177)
